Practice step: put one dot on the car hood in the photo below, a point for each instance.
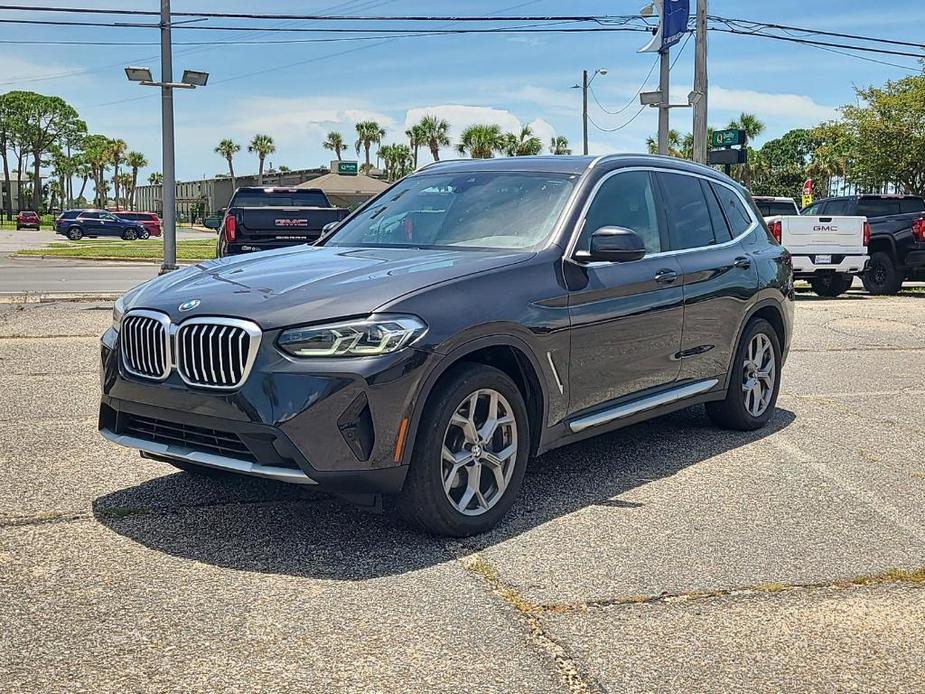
(307, 284)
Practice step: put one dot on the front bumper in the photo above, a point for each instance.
(334, 423)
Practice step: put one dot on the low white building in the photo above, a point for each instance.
(13, 183)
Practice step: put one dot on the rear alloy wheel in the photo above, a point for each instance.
(470, 455)
(882, 276)
(831, 285)
(144, 234)
(754, 381)
(129, 235)
(74, 234)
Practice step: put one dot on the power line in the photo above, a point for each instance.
(817, 32)
(632, 99)
(810, 42)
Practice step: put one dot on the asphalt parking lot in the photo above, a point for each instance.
(666, 557)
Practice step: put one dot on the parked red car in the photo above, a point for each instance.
(27, 220)
(149, 220)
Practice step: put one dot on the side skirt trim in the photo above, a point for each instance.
(647, 403)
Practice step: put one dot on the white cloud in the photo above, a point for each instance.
(544, 131)
(770, 107)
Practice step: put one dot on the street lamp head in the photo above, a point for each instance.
(139, 74)
(602, 71)
(195, 78)
(648, 10)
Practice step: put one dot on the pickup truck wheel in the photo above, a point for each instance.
(74, 234)
(882, 276)
(831, 285)
(470, 454)
(129, 235)
(754, 380)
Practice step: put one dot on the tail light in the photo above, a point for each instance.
(775, 229)
(918, 229)
(866, 233)
(231, 227)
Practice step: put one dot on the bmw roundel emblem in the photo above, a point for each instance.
(189, 305)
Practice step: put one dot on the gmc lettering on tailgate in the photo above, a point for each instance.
(825, 227)
(291, 222)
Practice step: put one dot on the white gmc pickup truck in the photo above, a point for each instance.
(827, 251)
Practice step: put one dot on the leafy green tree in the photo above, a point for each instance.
(227, 148)
(335, 143)
(369, 133)
(675, 144)
(262, 146)
(559, 145)
(156, 178)
(436, 134)
(416, 139)
(888, 133)
(481, 141)
(523, 144)
(398, 160)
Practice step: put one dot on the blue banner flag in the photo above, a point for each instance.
(675, 15)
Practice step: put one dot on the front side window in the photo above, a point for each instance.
(476, 210)
(738, 217)
(624, 200)
(689, 222)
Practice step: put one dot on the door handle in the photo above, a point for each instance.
(743, 262)
(666, 276)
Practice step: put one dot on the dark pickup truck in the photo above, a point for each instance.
(897, 235)
(258, 219)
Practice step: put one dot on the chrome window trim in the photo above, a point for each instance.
(253, 332)
(579, 226)
(164, 320)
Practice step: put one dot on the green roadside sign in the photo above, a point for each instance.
(728, 138)
(347, 168)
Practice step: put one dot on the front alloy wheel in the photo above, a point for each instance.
(479, 452)
(469, 455)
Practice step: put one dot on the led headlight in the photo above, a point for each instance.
(118, 310)
(354, 338)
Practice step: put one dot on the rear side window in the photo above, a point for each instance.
(689, 222)
(838, 208)
(911, 205)
(624, 200)
(720, 227)
(737, 216)
(877, 207)
(90, 215)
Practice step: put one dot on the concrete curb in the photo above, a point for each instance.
(56, 297)
(103, 259)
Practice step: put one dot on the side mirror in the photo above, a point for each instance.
(328, 228)
(212, 222)
(616, 245)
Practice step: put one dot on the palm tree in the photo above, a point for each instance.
(84, 170)
(559, 145)
(335, 142)
(156, 178)
(137, 161)
(526, 144)
(675, 144)
(416, 139)
(481, 141)
(124, 181)
(436, 134)
(227, 148)
(398, 160)
(262, 146)
(369, 133)
(116, 154)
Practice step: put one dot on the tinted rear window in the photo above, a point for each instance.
(877, 207)
(279, 200)
(838, 207)
(773, 209)
(689, 222)
(738, 217)
(911, 205)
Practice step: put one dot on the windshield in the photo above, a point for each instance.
(485, 210)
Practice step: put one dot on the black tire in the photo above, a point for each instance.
(74, 234)
(144, 234)
(18, 228)
(731, 412)
(882, 275)
(423, 501)
(129, 235)
(831, 285)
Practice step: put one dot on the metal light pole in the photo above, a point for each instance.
(190, 80)
(169, 186)
(699, 97)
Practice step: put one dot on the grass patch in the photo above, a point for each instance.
(152, 249)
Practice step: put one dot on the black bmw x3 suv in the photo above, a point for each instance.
(475, 314)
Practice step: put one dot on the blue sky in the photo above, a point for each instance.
(297, 93)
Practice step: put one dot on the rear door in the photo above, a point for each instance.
(90, 223)
(626, 317)
(718, 275)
